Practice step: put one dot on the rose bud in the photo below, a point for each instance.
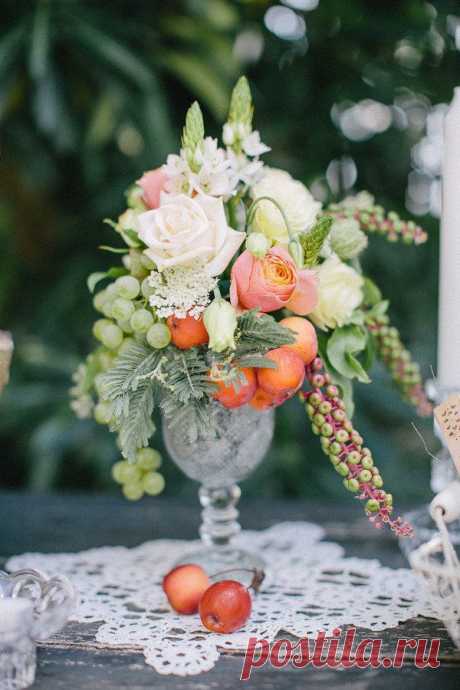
(220, 322)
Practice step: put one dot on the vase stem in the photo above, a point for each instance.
(220, 516)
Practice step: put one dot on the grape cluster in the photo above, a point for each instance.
(404, 371)
(124, 304)
(140, 477)
(344, 447)
(374, 220)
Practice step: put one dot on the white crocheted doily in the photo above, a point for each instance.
(312, 588)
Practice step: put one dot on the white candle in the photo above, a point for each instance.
(449, 282)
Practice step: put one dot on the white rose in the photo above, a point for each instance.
(297, 203)
(362, 201)
(340, 293)
(183, 229)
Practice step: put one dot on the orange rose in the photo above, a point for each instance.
(272, 283)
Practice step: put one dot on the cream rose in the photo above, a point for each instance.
(183, 229)
(297, 203)
(340, 293)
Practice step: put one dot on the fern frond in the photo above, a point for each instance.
(131, 366)
(259, 333)
(136, 427)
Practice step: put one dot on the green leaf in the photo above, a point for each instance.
(343, 346)
(312, 241)
(371, 293)
(258, 334)
(193, 132)
(95, 278)
(40, 41)
(113, 250)
(134, 238)
(200, 77)
(256, 361)
(241, 108)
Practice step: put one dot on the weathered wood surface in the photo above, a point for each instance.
(73, 659)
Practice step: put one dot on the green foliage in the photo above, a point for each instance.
(241, 108)
(135, 426)
(133, 367)
(259, 333)
(343, 346)
(95, 278)
(312, 241)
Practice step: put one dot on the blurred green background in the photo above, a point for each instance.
(349, 95)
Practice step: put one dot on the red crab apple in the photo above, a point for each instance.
(225, 606)
(184, 586)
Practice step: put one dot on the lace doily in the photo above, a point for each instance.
(312, 588)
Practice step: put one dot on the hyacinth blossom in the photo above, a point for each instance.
(237, 287)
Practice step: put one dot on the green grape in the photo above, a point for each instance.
(105, 359)
(133, 491)
(103, 412)
(98, 381)
(122, 309)
(141, 321)
(158, 335)
(146, 288)
(148, 459)
(153, 483)
(129, 473)
(112, 336)
(107, 308)
(125, 327)
(127, 287)
(118, 471)
(127, 342)
(136, 266)
(99, 326)
(99, 300)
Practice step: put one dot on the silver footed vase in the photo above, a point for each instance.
(219, 457)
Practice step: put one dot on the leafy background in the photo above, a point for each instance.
(94, 93)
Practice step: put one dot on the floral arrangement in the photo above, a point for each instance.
(236, 286)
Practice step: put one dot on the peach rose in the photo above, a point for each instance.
(272, 283)
(152, 183)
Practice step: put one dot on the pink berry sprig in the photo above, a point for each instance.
(398, 360)
(344, 446)
(374, 220)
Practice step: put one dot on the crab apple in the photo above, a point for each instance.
(184, 586)
(261, 400)
(238, 393)
(225, 606)
(306, 342)
(188, 332)
(288, 376)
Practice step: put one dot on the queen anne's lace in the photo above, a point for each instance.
(311, 587)
(181, 290)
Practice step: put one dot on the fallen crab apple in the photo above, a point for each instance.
(224, 606)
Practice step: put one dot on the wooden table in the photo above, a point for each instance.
(56, 523)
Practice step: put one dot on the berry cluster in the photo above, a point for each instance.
(140, 477)
(344, 447)
(374, 220)
(404, 371)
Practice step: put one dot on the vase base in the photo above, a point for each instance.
(226, 563)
